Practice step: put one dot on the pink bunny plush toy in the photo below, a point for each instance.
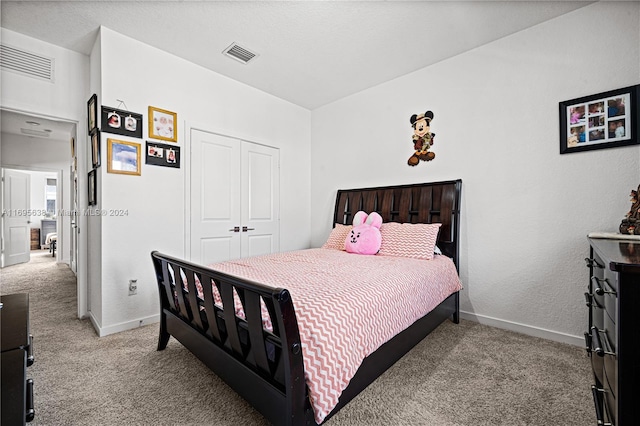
(365, 236)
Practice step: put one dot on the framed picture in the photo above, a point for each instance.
(160, 154)
(163, 124)
(121, 122)
(92, 187)
(123, 157)
(92, 113)
(604, 120)
(95, 148)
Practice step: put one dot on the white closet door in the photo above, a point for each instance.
(260, 200)
(215, 198)
(235, 195)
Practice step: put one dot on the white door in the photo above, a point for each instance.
(16, 232)
(260, 200)
(234, 198)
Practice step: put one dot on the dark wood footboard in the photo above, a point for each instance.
(263, 367)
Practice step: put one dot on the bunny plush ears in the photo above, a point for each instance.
(373, 219)
(365, 237)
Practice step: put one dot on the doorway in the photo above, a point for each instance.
(34, 144)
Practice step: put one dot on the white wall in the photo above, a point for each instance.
(142, 76)
(526, 209)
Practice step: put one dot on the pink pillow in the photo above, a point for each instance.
(337, 237)
(415, 240)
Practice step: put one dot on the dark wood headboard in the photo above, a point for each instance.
(435, 202)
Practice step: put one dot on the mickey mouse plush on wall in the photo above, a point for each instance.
(422, 138)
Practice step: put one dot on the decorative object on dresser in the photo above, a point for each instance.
(16, 354)
(631, 221)
(612, 336)
(248, 333)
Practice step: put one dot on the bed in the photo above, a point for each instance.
(254, 332)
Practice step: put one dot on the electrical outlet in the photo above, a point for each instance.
(133, 287)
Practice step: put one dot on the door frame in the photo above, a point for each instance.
(80, 145)
(186, 158)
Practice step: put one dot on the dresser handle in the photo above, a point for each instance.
(30, 357)
(595, 338)
(597, 342)
(592, 302)
(29, 408)
(599, 290)
(587, 342)
(597, 401)
(592, 263)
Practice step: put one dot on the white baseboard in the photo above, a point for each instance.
(481, 319)
(524, 329)
(123, 326)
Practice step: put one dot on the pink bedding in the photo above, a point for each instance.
(372, 299)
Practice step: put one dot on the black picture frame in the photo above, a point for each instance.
(121, 122)
(161, 154)
(603, 120)
(92, 113)
(92, 188)
(94, 140)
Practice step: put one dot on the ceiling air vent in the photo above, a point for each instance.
(26, 63)
(240, 53)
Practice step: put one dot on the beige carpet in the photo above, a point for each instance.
(460, 375)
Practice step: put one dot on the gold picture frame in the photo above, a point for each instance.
(163, 124)
(123, 157)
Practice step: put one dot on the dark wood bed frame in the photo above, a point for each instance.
(266, 368)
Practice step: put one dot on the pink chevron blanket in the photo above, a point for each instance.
(347, 306)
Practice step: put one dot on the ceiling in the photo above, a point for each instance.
(35, 127)
(311, 53)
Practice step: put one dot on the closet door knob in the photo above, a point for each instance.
(245, 229)
(235, 229)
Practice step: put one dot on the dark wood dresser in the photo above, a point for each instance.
(613, 336)
(16, 354)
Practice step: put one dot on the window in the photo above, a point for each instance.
(50, 197)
